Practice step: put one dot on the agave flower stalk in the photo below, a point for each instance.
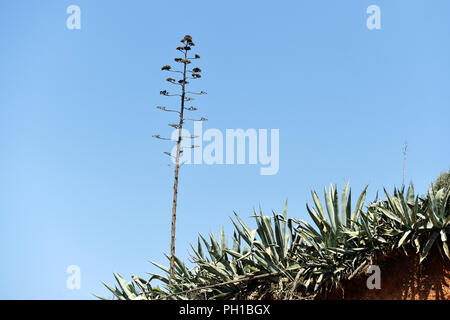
(186, 74)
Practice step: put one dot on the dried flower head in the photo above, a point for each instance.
(197, 70)
(164, 92)
(196, 75)
(170, 79)
(166, 67)
(196, 56)
(178, 60)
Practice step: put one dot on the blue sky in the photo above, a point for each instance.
(83, 183)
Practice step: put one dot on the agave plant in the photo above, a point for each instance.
(338, 243)
(410, 219)
(332, 231)
(437, 210)
(265, 254)
(139, 289)
(287, 258)
(224, 272)
(273, 245)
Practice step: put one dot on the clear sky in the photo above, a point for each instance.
(82, 181)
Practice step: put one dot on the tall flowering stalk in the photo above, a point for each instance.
(184, 75)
